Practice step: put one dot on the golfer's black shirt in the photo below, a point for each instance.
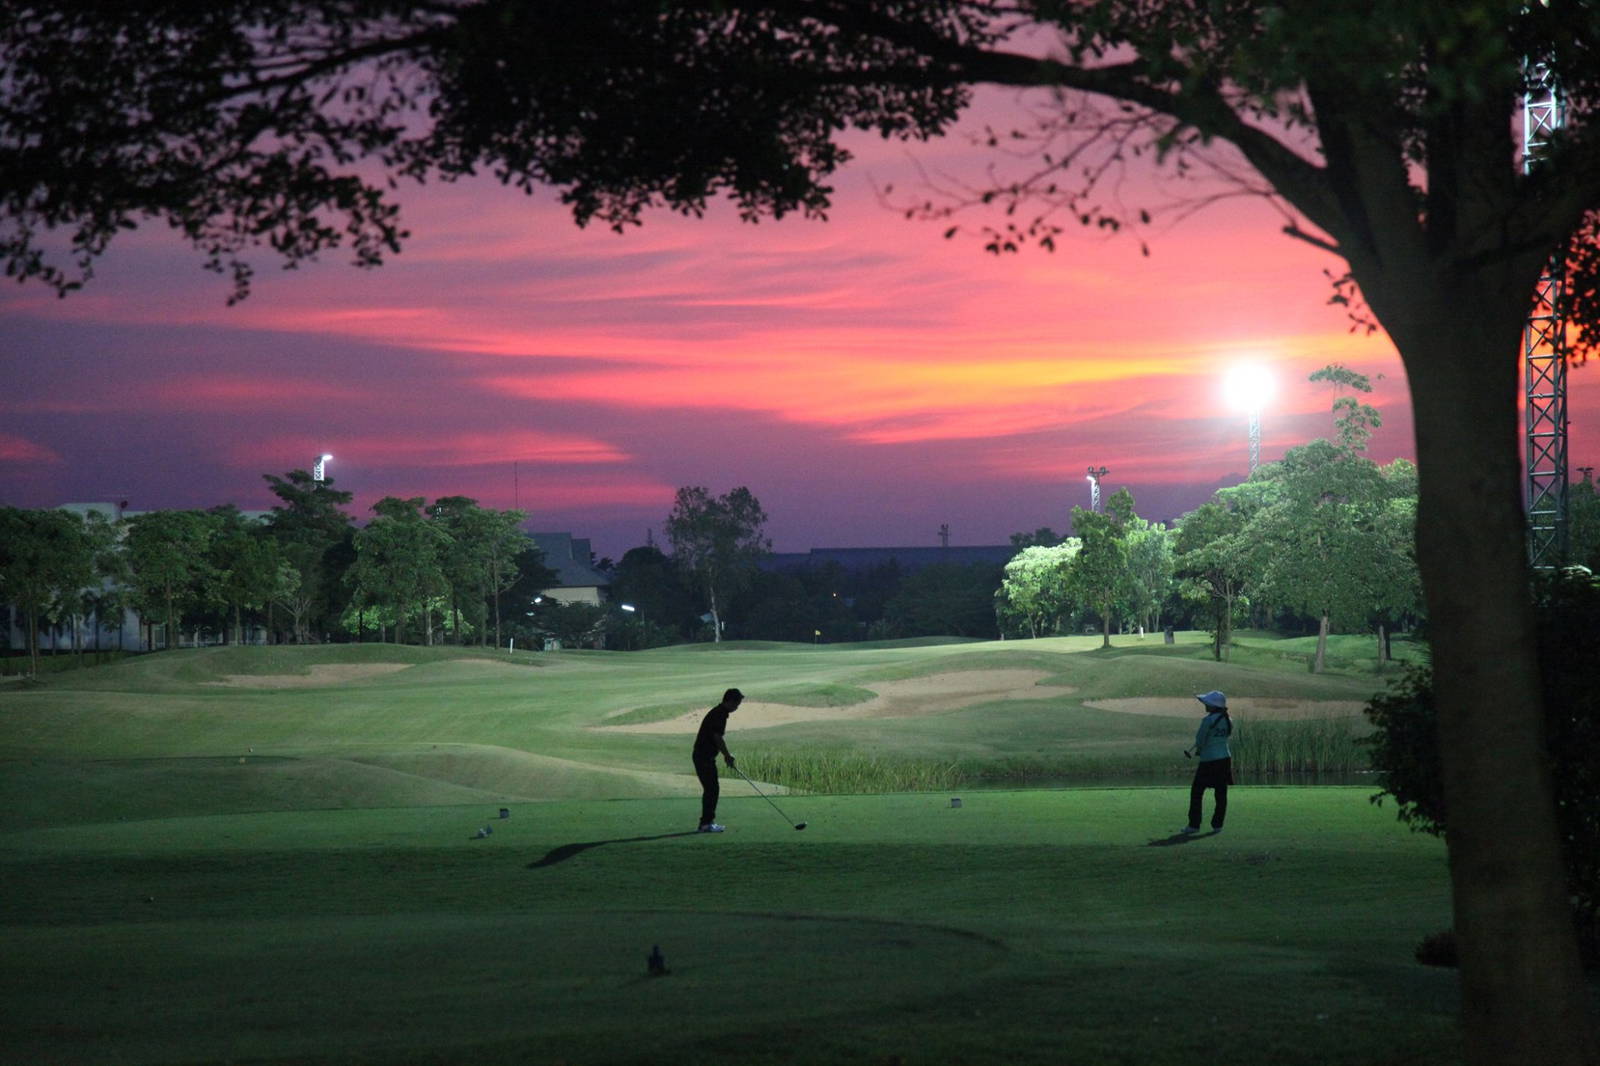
(712, 726)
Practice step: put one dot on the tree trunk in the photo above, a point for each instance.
(1105, 627)
(33, 643)
(1524, 998)
(1320, 663)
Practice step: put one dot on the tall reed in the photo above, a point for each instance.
(838, 772)
(1305, 746)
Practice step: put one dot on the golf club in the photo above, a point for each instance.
(763, 795)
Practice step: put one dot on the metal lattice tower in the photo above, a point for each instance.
(1095, 474)
(1544, 352)
(1255, 439)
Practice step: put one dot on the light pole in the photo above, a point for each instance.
(1095, 474)
(1248, 388)
(318, 471)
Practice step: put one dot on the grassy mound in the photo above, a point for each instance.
(285, 702)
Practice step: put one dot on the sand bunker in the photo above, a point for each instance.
(935, 694)
(317, 677)
(1261, 708)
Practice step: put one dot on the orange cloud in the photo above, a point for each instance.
(436, 450)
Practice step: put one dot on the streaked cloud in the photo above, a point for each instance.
(868, 379)
(15, 449)
(432, 450)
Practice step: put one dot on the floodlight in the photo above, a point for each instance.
(1248, 388)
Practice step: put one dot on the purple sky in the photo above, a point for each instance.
(866, 378)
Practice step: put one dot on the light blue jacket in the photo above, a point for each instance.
(1211, 740)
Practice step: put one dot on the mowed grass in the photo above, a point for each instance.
(1044, 926)
(195, 872)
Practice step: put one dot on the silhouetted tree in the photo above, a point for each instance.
(1380, 129)
(42, 553)
(314, 541)
(717, 541)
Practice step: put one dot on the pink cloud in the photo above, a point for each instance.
(15, 449)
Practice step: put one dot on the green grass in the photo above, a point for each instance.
(13, 664)
(1023, 927)
(201, 873)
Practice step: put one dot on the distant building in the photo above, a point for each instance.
(861, 560)
(577, 580)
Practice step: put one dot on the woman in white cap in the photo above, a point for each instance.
(1216, 762)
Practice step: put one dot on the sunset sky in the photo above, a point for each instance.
(866, 378)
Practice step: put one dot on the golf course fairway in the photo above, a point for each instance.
(204, 872)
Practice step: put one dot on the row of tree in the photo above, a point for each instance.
(1319, 539)
(1325, 534)
(1324, 537)
(305, 572)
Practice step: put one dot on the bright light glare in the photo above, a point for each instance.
(1248, 388)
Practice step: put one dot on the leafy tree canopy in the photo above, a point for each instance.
(717, 541)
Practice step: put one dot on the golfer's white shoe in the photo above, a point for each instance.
(712, 827)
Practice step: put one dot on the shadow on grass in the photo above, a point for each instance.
(1181, 838)
(567, 851)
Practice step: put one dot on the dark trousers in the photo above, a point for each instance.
(1216, 774)
(706, 770)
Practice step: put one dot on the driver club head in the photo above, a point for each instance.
(800, 825)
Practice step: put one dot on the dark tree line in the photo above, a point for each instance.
(306, 572)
